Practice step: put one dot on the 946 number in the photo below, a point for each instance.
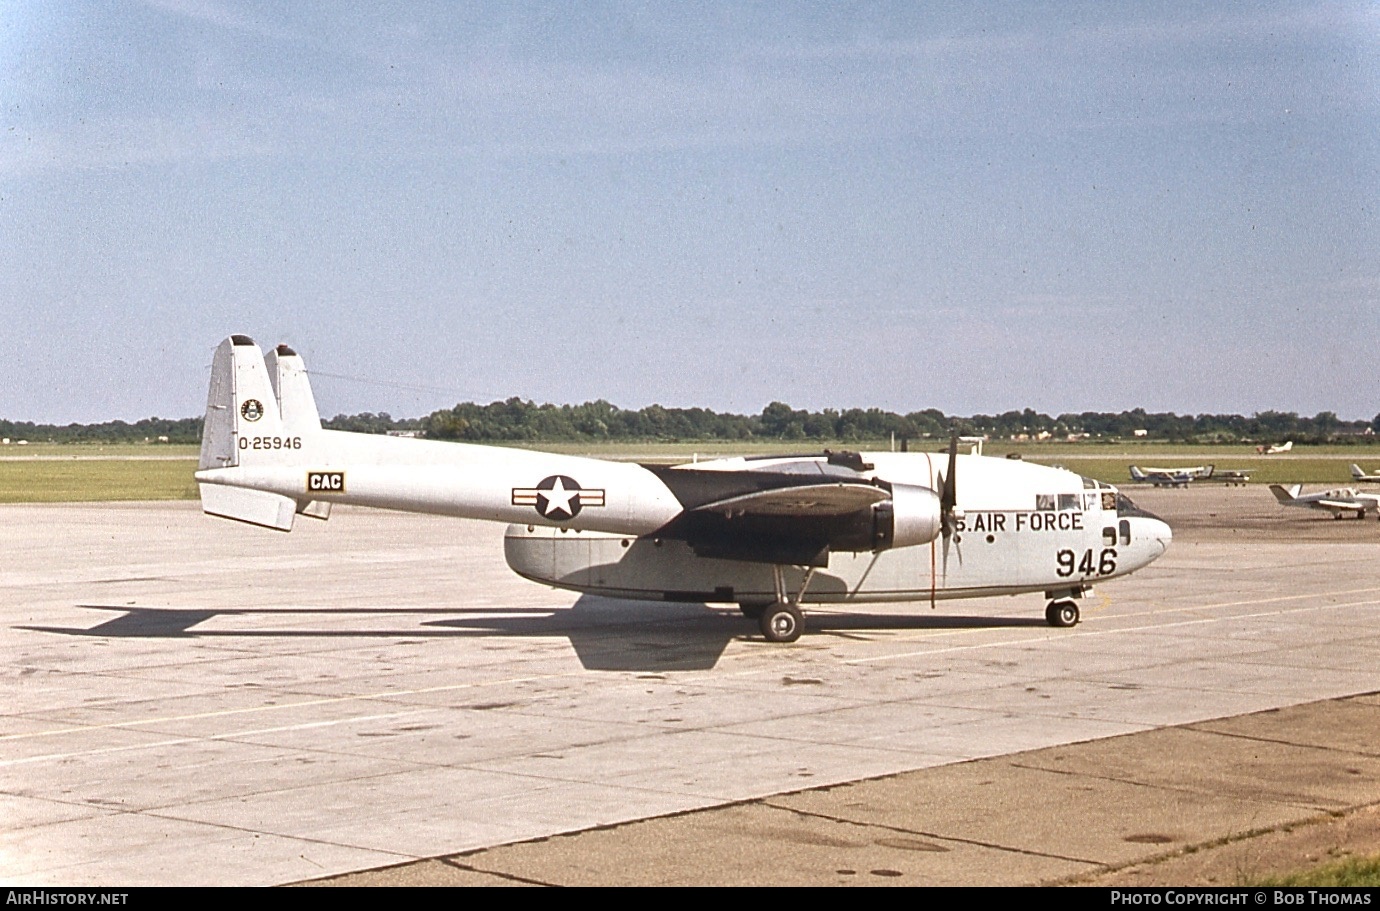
(1103, 564)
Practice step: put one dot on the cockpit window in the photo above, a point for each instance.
(1125, 507)
(1070, 501)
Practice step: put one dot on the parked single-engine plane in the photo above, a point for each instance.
(770, 534)
(1341, 501)
(1361, 477)
(1171, 477)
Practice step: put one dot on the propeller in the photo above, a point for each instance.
(948, 508)
(948, 497)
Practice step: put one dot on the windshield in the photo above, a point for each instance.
(1125, 507)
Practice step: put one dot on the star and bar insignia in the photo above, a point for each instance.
(558, 497)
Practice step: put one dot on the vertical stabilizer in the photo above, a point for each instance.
(296, 404)
(243, 427)
(228, 396)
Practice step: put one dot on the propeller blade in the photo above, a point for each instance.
(948, 497)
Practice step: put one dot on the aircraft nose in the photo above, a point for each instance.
(1158, 531)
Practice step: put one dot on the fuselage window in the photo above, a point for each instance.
(1044, 501)
(1125, 528)
(1070, 501)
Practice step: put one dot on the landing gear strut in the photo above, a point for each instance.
(782, 620)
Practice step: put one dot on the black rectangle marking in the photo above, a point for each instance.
(325, 482)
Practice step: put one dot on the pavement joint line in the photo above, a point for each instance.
(1237, 735)
(920, 833)
(228, 736)
(1048, 636)
(449, 861)
(360, 697)
(306, 839)
(1176, 789)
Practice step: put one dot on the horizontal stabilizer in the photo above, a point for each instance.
(253, 506)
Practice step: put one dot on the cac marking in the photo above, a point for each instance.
(270, 442)
(326, 481)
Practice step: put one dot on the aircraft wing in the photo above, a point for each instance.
(1343, 505)
(795, 516)
(807, 500)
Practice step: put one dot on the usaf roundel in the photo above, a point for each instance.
(558, 497)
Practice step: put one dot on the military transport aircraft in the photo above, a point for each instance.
(770, 534)
(1341, 501)
(1171, 477)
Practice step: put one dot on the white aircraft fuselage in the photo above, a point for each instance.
(770, 534)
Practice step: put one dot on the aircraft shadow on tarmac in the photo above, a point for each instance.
(607, 634)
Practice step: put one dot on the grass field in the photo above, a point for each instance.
(97, 450)
(47, 473)
(83, 480)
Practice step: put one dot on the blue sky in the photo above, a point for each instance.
(973, 207)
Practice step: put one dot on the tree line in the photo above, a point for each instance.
(517, 420)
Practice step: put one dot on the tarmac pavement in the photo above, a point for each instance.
(377, 699)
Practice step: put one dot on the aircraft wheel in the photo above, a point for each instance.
(1061, 614)
(781, 623)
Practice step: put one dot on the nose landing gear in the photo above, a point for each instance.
(1062, 610)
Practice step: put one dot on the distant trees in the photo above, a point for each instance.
(368, 422)
(183, 430)
(517, 420)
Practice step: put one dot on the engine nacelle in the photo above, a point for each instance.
(912, 516)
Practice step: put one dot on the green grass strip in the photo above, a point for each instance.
(76, 481)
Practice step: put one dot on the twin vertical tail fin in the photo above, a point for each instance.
(260, 411)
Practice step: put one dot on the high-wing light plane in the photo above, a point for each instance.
(1275, 448)
(770, 534)
(1341, 501)
(1171, 477)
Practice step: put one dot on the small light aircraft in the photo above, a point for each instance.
(770, 534)
(1358, 475)
(1341, 501)
(1171, 477)
(1275, 449)
(1234, 477)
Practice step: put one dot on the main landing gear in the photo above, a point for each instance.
(780, 621)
